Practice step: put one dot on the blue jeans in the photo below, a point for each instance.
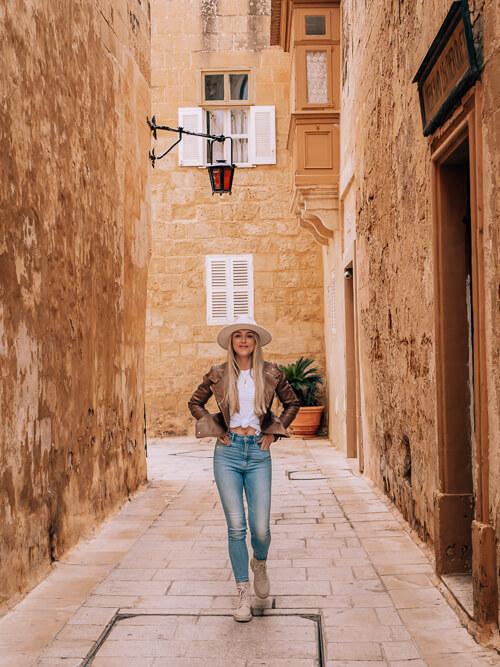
(243, 465)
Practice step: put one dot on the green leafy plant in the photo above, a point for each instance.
(304, 380)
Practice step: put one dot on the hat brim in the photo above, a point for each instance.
(224, 335)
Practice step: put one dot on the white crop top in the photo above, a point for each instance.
(246, 417)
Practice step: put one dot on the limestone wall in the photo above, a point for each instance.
(386, 155)
(188, 223)
(487, 25)
(74, 226)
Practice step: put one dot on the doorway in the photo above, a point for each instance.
(455, 342)
(353, 401)
(464, 533)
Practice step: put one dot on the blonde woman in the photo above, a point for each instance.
(244, 387)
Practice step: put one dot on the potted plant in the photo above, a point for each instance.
(304, 379)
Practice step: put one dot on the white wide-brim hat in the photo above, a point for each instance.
(243, 322)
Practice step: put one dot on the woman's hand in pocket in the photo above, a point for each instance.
(266, 441)
(224, 439)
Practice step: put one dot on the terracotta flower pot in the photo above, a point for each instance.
(307, 421)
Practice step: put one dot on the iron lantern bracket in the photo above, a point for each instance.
(180, 131)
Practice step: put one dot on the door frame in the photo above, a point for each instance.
(466, 123)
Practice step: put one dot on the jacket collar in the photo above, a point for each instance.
(218, 378)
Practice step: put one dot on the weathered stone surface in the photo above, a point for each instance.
(387, 185)
(74, 247)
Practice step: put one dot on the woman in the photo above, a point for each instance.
(244, 387)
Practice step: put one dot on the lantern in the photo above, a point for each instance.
(221, 172)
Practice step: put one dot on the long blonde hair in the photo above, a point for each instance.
(233, 373)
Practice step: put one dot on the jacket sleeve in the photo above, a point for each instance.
(289, 400)
(196, 403)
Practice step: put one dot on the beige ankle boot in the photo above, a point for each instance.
(243, 611)
(261, 583)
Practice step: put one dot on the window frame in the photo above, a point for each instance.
(301, 87)
(227, 102)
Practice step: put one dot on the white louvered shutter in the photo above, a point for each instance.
(218, 283)
(191, 148)
(242, 279)
(262, 139)
(229, 287)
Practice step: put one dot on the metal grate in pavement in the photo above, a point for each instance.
(158, 635)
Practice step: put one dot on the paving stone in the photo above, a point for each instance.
(406, 581)
(111, 601)
(122, 574)
(192, 574)
(198, 662)
(101, 661)
(416, 598)
(438, 617)
(79, 632)
(358, 618)
(293, 587)
(465, 659)
(400, 650)
(113, 587)
(137, 648)
(280, 662)
(67, 649)
(454, 640)
(354, 651)
(356, 663)
(16, 659)
(57, 662)
(371, 633)
(388, 616)
(333, 574)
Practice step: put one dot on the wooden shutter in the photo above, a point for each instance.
(242, 283)
(218, 283)
(229, 287)
(191, 148)
(262, 139)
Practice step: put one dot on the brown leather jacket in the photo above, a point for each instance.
(214, 382)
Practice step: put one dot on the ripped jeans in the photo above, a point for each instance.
(243, 465)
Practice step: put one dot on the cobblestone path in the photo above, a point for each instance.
(349, 587)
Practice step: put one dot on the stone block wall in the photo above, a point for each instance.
(388, 158)
(189, 223)
(74, 243)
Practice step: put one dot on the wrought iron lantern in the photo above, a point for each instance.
(221, 172)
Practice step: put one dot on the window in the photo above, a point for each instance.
(227, 108)
(229, 287)
(253, 130)
(317, 77)
(225, 87)
(232, 123)
(314, 83)
(315, 25)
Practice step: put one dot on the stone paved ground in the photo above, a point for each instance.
(340, 560)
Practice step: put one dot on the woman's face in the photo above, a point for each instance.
(243, 342)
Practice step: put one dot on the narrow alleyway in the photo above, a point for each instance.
(154, 587)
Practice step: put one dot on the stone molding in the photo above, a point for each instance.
(317, 208)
